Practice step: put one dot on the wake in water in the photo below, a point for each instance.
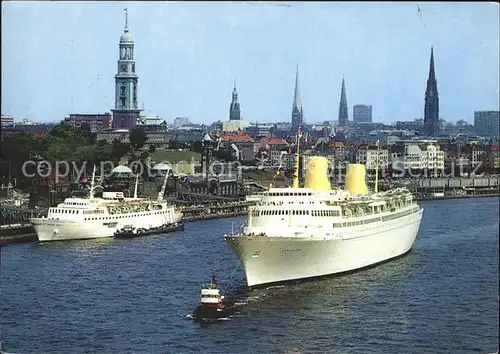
(276, 287)
(205, 320)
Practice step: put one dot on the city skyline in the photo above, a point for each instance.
(191, 74)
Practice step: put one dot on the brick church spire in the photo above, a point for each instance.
(431, 110)
(343, 111)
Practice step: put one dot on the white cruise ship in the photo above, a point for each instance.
(79, 218)
(297, 233)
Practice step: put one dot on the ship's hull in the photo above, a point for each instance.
(157, 231)
(269, 260)
(57, 230)
(203, 313)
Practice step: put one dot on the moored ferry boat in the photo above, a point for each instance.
(297, 233)
(79, 218)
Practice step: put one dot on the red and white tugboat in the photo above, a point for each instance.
(213, 304)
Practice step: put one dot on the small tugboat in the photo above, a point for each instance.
(213, 304)
(128, 231)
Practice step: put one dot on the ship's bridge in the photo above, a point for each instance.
(297, 196)
(75, 202)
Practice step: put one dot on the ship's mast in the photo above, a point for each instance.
(92, 185)
(214, 278)
(276, 174)
(297, 159)
(162, 192)
(377, 166)
(136, 183)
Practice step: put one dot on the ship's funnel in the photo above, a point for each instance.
(317, 173)
(355, 179)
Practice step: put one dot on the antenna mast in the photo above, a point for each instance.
(276, 174)
(297, 159)
(92, 185)
(136, 183)
(376, 166)
(214, 277)
(162, 192)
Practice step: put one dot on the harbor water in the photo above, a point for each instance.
(134, 296)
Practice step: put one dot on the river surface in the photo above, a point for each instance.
(133, 296)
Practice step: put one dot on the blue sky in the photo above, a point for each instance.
(60, 58)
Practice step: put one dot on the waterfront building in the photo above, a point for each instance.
(234, 108)
(180, 121)
(97, 121)
(494, 156)
(343, 110)
(479, 156)
(258, 130)
(235, 125)
(126, 111)
(416, 125)
(39, 129)
(367, 155)
(419, 155)
(148, 118)
(297, 110)
(486, 123)
(160, 138)
(431, 110)
(7, 120)
(362, 113)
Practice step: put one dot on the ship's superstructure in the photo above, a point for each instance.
(79, 218)
(303, 232)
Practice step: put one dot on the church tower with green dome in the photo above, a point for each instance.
(126, 111)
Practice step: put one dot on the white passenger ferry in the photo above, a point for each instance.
(79, 218)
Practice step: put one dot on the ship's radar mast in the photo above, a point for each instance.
(377, 166)
(214, 277)
(297, 159)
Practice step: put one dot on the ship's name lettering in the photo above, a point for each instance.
(291, 250)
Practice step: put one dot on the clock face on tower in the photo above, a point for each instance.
(123, 67)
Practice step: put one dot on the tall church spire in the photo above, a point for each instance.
(343, 111)
(297, 110)
(296, 98)
(431, 109)
(432, 72)
(234, 108)
(126, 111)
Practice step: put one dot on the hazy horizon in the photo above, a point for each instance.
(60, 58)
